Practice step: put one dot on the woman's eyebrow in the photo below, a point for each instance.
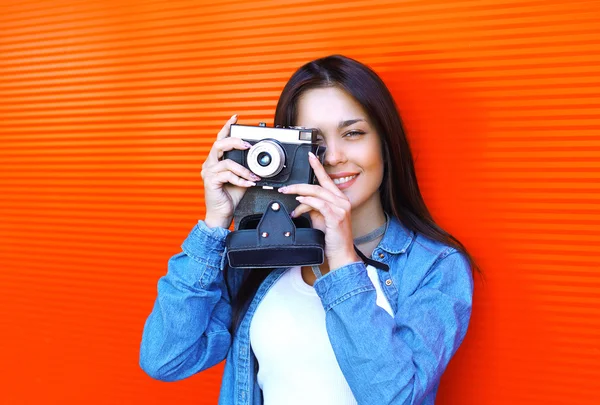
(347, 123)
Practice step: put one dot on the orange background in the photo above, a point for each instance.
(108, 109)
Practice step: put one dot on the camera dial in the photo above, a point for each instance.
(266, 158)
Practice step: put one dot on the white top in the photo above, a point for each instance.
(296, 362)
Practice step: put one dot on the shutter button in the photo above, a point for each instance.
(388, 282)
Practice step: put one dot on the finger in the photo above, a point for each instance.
(321, 175)
(300, 209)
(230, 177)
(312, 190)
(330, 212)
(223, 145)
(224, 132)
(236, 168)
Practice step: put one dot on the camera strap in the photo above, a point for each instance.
(378, 265)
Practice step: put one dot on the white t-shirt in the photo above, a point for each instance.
(297, 364)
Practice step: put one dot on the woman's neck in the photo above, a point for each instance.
(368, 217)
(365, 219)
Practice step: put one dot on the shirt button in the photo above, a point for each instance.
(388, 282)
(381, 255)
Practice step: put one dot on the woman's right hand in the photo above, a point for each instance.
(225, 181)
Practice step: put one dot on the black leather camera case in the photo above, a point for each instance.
(274, 239)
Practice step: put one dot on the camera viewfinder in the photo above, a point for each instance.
(305, 136)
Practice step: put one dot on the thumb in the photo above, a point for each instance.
(318, 222)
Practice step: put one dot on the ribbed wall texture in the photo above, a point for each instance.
(108, 109)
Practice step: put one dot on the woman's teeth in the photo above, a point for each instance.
(342, 180)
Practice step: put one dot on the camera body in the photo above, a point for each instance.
(279, 155)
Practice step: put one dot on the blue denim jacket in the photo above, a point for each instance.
(385, 360)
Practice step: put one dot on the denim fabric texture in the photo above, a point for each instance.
(385, 360)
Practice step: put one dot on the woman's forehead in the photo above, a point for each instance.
(330, 107)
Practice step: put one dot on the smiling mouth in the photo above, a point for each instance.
(343, 180)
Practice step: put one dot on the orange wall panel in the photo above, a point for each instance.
(108, 109)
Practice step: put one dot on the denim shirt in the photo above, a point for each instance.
(385, 360)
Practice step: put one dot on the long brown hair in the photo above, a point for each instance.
(399, 190)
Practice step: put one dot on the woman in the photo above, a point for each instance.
(341, 333)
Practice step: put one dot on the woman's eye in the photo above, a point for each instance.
(353, 134)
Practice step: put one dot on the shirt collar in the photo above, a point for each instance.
(397, 237)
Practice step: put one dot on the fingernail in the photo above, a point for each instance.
(247, 145)
(312, 155)
(282, 189)
(293, 214)
(254, 177)
(251, 183)
(233, 116)
(299, 198)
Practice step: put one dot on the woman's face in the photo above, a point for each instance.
(353, 156)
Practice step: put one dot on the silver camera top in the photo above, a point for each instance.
(282, 134)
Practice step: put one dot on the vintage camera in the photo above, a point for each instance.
(279, 155)
(265, 236)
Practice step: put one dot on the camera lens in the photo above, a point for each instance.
(263, 159)
(266, 158)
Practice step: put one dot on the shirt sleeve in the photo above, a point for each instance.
(188, 328)
(400, 359)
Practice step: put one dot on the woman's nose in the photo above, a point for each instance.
(333, 155)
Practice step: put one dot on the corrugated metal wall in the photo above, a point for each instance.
(107, 110)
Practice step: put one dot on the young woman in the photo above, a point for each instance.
(346, 332)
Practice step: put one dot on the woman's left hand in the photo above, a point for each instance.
(330, 211)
